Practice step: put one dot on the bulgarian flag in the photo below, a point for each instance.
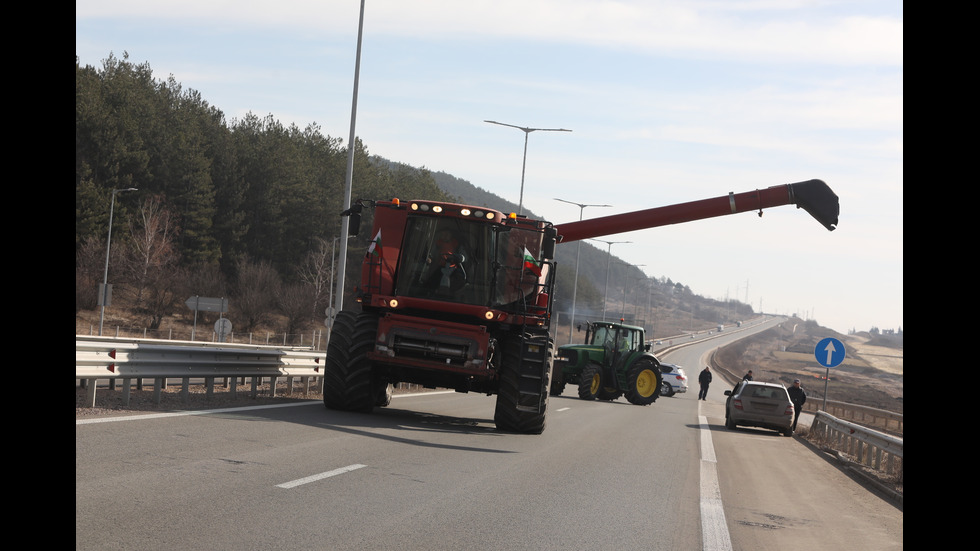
(375, 247)
(531, 264)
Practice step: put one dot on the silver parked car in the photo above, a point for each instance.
(674, 381)
(758, 404)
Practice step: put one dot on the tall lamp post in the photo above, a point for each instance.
(605, 292)
(526, 130)
(104, 291)
(578, 253)
(349, 175)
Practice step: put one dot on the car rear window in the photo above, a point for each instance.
(765, 392)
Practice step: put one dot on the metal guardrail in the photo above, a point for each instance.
(880, 419)
(871, 448)
(126, 359)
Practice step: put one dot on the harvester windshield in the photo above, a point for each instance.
(467, 261)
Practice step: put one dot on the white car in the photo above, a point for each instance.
(675, 380)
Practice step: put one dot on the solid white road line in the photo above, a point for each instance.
(183, 413)
(714, 529)
(321, 476)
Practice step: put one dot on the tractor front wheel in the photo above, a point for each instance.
(590, 382)
(643, 382)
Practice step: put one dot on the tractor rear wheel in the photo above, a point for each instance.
(347, 377)
(643, 382)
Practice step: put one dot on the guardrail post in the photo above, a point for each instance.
(90, 393)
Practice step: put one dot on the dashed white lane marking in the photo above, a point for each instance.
(714, 529)
(321, 476)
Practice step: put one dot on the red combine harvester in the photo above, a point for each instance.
(455, 296)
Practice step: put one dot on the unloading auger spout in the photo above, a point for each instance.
(813, 196)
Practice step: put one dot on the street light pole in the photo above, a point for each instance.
(349, 176)
(578, 253)
(105, 275)
(526, 130)
(605, 293)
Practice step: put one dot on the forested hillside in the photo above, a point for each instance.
(250, 209)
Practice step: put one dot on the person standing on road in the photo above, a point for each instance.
(798, 396)
(748, 376)
(705, 379)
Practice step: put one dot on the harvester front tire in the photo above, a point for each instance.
(347, 383)
(507, 415)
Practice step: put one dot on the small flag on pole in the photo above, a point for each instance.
(531, 264)
(375, 247)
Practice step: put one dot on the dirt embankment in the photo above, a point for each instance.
(871, 374)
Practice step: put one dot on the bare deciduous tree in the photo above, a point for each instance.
(316, 274)
(88, 273)
(151, 248)
(257, 286)
(152, 261)
(294, 304)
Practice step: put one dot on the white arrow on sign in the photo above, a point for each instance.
(830, 349)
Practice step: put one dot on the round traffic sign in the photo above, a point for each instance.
(222, 326)
(829, 352)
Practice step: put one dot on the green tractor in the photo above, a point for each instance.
(614, 362)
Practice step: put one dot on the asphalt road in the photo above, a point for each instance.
(431, 472)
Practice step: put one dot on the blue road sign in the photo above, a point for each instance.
(829, 352)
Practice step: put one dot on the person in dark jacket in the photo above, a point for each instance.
(705, 379)
(798, 396)
(748, 376)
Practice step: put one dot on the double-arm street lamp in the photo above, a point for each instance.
(578, 253)
(605, 293)
(104, 291)
(526, 130)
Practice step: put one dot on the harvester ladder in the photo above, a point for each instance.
(531, 391)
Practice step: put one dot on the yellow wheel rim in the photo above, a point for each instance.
(595, 383)
(646, 383)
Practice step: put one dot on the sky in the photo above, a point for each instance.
(667, 101)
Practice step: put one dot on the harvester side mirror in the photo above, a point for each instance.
(354, 215)
(354, 224)
(548, 247)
